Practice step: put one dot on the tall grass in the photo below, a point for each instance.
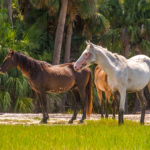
(93, 135)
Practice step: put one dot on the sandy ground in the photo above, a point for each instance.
(12, 118)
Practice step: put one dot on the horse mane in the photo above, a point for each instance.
(112, 56)
(30, 64)
(119, 57)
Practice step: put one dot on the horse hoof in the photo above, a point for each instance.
(70, 121)
(121, 122)
(106, 117)
(81, 121)
(43, 121)
(142, 123)
(113, 118)
(120, 118)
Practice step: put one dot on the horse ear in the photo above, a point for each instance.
(87, 42)
(90, 43)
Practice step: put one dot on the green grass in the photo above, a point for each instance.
(93, 135)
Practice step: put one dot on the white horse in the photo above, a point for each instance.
(124, 75)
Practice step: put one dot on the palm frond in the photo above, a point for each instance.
(5, 101)
(86, 8)
(23, 104)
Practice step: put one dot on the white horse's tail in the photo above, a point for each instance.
(148, 86)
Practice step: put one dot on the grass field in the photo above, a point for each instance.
(92, 135)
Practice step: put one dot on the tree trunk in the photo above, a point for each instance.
(8, 5)
(125, 42)
(126, 48)
(10, 12)
(68, 43)
(126, 51)
(59, 32)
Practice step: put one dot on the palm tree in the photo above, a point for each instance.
(127, 21)
(60, 31)
(70, 20)
(8, 5)
(53, 7)
(83, 9)
(10, 12)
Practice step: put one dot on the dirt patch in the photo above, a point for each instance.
(12, 118)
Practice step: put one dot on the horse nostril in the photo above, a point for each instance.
(75, 67)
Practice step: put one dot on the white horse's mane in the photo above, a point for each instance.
(112, 56)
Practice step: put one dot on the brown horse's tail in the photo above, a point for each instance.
(89, 91)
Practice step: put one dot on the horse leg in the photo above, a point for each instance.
(76, 103)
(107, 97)
(106, 108)
(101, 102)
(143, 103)
(84, 102)
(43, 105)
(114, 106)
(122, 105)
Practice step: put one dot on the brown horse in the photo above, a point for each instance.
(102, 86)
(44, 78)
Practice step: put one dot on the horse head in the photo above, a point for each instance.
(87, 58)
(8, 63)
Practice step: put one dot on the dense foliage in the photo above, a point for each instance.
(30, 26)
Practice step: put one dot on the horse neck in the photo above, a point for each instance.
(24, 64)
(104, 61)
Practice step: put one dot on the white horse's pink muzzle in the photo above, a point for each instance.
(77, 66)
(81, 62)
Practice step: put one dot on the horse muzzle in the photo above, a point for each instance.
(78, 68)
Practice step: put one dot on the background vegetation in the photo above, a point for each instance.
(56, 30)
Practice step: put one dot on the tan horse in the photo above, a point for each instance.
(102, 86)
